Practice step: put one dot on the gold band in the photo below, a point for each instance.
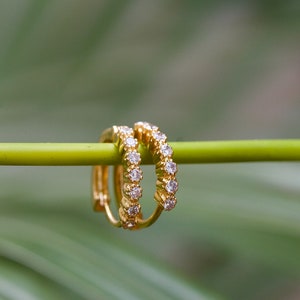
(127, 179)
(101, 195)
(162, 153)
(127, 176)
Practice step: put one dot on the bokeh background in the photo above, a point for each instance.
(201, 70)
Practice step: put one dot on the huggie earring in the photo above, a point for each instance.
(127, 176)
(123, 138)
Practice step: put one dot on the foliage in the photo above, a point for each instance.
(201, 70)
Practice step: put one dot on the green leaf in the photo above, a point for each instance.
(200, 70)
(89, 270)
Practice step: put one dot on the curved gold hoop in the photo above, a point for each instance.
(128, 175)
(166, 185)
(123, 138)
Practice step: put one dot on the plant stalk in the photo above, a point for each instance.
(79, 154)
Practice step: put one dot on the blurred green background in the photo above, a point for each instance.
(201, 70)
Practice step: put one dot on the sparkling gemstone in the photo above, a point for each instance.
(169, 204)
(126, 130)
(159, 136)
(130, 224)
(133, 210)
(134, 157)
(149, 126)
(135, 174)
(136, 192)
(171, 167)
(131, 142)
(166, 150)
(171, 186)
(141, 123)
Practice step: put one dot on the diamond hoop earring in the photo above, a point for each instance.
(156, 142)
(127, 176)
(123, 138)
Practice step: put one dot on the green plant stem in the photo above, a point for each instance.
(55, 154)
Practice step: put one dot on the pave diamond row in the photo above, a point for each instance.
(130, 208)
(162, 153)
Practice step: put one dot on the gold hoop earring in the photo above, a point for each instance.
(123, 138)
(162, 153)
(127, 176)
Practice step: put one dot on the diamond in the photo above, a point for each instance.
(131, 142)
(136, 192)
(171, 167)
(159, 136)
(134, 157)
(149, 126)
(135, 174)
(133, 210)
(126, 130)
(130, 224)
(171, 186)
(141, 123)
(166, 150)
(169, 204)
